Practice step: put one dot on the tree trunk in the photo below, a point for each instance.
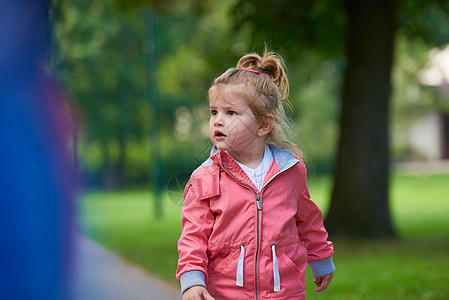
(121, 163)
(107, 169)
(359, 205)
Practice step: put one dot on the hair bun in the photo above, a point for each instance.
(250, 61)
(270, 64)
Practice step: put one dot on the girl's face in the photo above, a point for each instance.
(233, 126)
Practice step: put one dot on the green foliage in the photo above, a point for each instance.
(411, 268)
(101, 61)
(295, 26)
(425, 20)
(315, 102)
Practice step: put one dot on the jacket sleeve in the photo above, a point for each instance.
(197, 221)
(309, 221)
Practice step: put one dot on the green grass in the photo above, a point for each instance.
(416, 266)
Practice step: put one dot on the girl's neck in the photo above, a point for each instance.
(250, 157)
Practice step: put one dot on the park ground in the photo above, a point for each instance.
(413, 266)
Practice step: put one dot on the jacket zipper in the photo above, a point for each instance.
(259, 208)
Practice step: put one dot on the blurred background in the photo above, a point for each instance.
(138, 75)
(130, 80)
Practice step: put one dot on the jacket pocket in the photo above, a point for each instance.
(224, 263)
(292, 263)
(293, 259)
(286, 265)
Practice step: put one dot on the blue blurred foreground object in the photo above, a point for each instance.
(36, 177)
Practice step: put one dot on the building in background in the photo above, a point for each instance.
(428, 136)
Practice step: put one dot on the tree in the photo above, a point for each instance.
(360, 202)
(359, 205)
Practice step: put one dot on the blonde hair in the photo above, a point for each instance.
(263, 81)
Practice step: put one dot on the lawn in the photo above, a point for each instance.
(412, 267)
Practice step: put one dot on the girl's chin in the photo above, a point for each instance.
(221, 147)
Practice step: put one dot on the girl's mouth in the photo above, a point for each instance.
(218, 133)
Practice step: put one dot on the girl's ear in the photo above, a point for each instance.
(266, 125)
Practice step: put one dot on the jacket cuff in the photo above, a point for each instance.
(322, 267)
(192, 278)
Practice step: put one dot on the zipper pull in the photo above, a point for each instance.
(259, 203)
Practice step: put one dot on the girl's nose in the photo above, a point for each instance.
(218, 121)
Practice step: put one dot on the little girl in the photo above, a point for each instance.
(248, 225)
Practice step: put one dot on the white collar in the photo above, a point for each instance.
(258, 174)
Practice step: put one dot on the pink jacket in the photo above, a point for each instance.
(242, 243)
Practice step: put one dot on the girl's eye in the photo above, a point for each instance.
(213, 112)
(232, 113)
